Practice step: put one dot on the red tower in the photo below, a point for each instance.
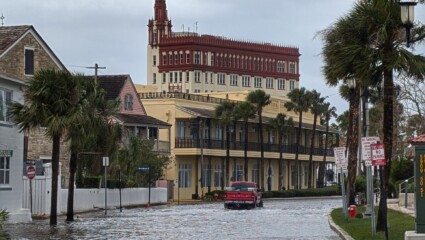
(160, 26)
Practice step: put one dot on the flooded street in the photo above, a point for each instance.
(279, 219)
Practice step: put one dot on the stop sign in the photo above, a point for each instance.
(31, 172)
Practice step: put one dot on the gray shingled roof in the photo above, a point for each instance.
(112, 84)
(141, 119)
(10, 34)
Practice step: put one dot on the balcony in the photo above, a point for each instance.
(162, 147)
(252, 146)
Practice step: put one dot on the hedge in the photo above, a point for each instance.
(313, 192)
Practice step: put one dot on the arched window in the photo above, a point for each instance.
(128, 102)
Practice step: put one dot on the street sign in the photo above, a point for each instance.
(340, 157)
(366, 154)
(30, 172)
(378, 154)
(143, 169)
(105, 161)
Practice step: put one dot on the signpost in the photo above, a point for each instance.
(30, 176)
(367, 158)
(105, 161)
(147, 169)
(341, 163)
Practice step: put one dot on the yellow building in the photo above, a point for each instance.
(198, 143)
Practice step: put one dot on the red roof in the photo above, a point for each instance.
(418, 139)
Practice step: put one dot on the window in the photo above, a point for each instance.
(197, 57)
(5, 101)
(257, 82)
(180, 76)
(238, 173)
(206, 180)
(218, 175)
(128, 102)
(187, 76)
(281, 84)
(180, 130)
(197, 77)
(164, 59)
(171, 77)
(176, 59)
(197, 90)
(291, 67)
(185, 173)
(212, 59)
(221, 79)
(280, 66)
(269, 83)
(187, 58)
(254, 173)
(291, 85)
(175, 77)
(29, 61)
(181, 58)
(164, 77)
(4, 170)
(211, 78)
(234, 80)
(206, 77)
(170, 59)
(245, 81)
(154, 78)
(154, 60)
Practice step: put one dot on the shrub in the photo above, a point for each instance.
(89, 182)
(314, 192)
(3, 217)
(361, 184)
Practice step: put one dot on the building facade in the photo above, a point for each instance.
(188, 62)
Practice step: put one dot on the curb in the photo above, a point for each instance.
(343, 234)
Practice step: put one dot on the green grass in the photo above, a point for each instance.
(360, 229)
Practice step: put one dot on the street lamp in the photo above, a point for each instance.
(407, 14)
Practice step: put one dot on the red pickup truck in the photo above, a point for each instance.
(242, 195)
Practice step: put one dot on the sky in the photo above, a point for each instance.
(113, 33)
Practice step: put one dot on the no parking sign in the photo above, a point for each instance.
(378, 154)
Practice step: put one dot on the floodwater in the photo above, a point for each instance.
(279, 219)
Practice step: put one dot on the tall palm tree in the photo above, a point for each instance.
(245, 111)
(283, 127)
(316, 108)
(224, 112)
(50, 98)
(95, 112)
(366, 44)
(300, 101)
(325, 117)
(260, 100)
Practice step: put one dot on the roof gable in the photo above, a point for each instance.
(10, 35)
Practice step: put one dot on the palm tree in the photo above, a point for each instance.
(93, 122)
(300, 101)
(245, 111)
(325, 117)
(260, 100)
(50, 98)
(224, 111)
(367, 44)
(283, 127)
(316, 108)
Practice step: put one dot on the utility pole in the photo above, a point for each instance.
(96, 67)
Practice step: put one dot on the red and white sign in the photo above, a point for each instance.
(30, 172)
(340, 157)
(366, 154)
(378, 154)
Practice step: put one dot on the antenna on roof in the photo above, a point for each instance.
(196, 27)
(183, 27)
(2, 18)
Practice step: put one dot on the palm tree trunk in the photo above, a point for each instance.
(381, 224)
(310, 160)
(262, 150)
(72, 169)
(246, 150)
(297, 163)
(322, 169)
(280, 162)
(227, 154)
(353, 145)
(55, 174)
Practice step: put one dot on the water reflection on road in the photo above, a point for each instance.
(279, 219)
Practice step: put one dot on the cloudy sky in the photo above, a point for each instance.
(113, 33)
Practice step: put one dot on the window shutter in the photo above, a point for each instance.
(8, 102)
(29, 62)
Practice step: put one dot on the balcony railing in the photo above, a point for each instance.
(162, 146)
(252, 146)
(187, 96)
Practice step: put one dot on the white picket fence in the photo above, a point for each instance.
(84, 199)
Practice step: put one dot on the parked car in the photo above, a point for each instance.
(242, 195)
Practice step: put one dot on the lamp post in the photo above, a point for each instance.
(407, 14)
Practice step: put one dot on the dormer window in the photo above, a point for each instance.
(128, 102)
(29, 61)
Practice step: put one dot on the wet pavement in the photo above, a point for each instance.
(279, 219)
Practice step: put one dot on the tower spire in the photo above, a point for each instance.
(160, 11)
